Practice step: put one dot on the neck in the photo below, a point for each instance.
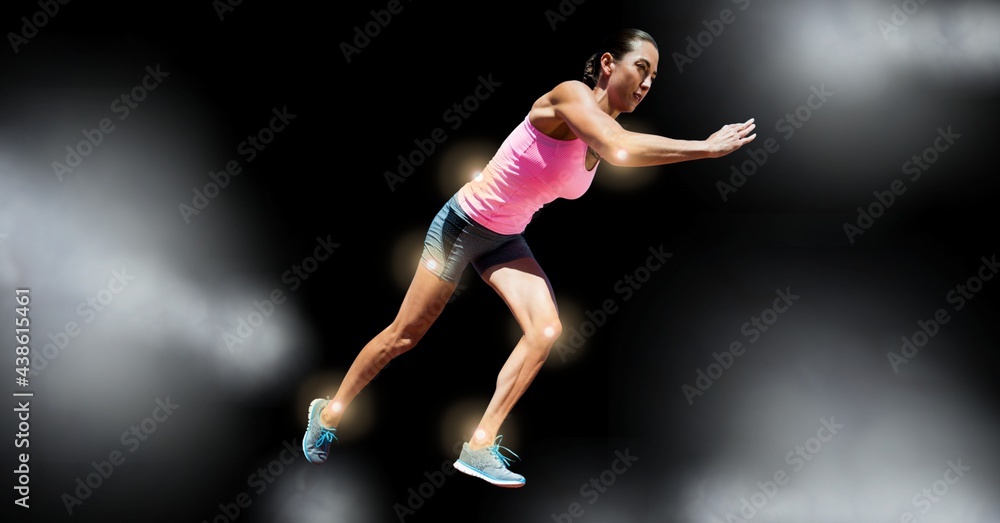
(604, 101)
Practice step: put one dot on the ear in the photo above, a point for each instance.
(607, 64)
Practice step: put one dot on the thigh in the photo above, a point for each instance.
(424, 301)
(526, 289)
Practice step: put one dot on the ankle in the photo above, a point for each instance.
(329, 419)
(480, 440)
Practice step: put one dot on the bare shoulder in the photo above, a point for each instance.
(568, 91)
(544, 115)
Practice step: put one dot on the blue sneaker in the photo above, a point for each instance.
(489, 464)
(316, 442)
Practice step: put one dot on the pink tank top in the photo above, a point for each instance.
(529, 170)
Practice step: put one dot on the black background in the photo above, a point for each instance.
(324, 176)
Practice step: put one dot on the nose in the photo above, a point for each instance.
(647, 83)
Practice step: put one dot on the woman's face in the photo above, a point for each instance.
(632, 77)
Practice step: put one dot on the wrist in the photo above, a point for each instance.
(709, 149)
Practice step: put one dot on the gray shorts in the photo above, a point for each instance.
(454, 241)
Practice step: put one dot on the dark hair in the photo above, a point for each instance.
(618, 44)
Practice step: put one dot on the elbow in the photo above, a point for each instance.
(615, 150)
(624, 149)
(616, 157)
(623, 156)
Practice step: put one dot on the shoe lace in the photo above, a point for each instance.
(325, 436)
(495, 450)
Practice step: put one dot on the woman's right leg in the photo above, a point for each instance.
(422, 304)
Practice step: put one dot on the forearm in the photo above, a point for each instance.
(641, 150)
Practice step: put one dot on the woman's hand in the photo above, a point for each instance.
(730, 138)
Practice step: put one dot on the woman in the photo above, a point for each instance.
(553, 153)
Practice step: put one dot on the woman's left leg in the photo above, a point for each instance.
(524, 287)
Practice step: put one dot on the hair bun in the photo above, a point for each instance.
(590, 71)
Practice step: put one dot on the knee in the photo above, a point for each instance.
(403, 337)
(544, 334)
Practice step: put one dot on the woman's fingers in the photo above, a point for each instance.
(745, 126)
(736, 134)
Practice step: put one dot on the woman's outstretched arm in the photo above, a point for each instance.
(574, 103)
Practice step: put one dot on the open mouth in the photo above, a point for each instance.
(638, 97)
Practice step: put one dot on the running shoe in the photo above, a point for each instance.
(489, 464)
(316, 442)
